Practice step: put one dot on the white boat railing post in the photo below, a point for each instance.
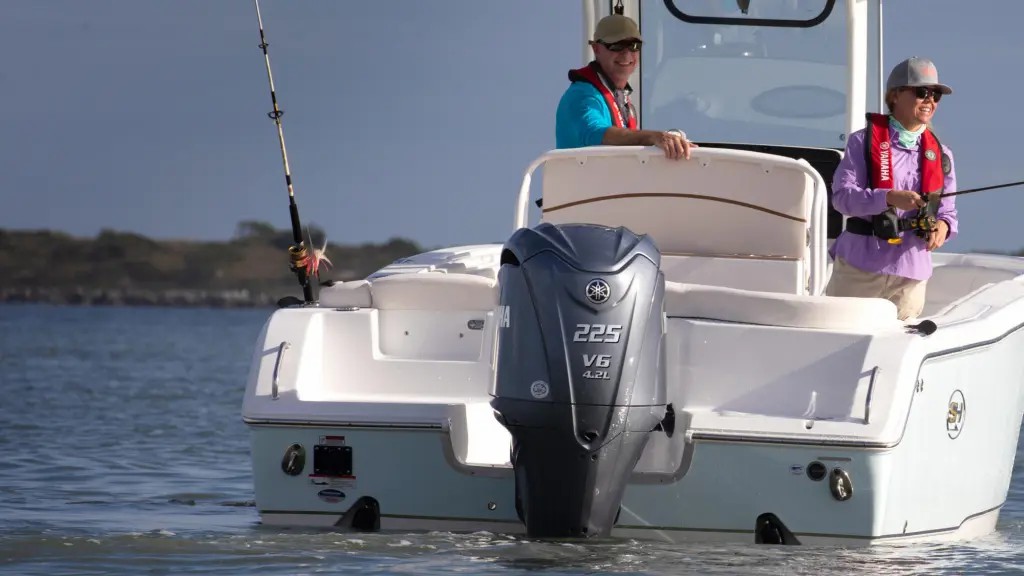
(881, 61)
(523, 200)
(856, 96)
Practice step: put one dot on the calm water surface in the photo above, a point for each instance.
(122, 451)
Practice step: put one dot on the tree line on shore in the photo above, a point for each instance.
(115, 267)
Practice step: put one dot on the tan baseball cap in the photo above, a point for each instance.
(615, 28)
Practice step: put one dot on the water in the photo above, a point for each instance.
(122, 451)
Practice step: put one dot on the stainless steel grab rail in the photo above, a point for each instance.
(277, 368)
(867, 398)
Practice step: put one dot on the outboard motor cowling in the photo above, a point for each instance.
(580, 370)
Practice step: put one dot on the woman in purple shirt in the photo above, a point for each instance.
(880, 185)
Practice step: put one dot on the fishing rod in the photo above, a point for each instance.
(924, 222)
(304, 261)
(983, 188)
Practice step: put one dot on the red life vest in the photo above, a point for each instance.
(589, 73)
(879, 156)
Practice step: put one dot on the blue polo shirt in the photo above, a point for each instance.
(582, 117)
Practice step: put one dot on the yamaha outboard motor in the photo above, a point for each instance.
(580, 374)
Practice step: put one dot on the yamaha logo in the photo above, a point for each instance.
(883, 145)
(598, 291)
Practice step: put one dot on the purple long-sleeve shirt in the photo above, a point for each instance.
(852, 196)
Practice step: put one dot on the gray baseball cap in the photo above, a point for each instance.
(915, 71)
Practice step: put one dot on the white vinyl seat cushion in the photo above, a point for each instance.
(762, 274)
(777, 309)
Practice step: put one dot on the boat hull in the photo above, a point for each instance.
(727, 487)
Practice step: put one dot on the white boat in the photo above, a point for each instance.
(654, 357)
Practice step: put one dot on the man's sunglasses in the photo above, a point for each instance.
(923, 92)
(631, 45)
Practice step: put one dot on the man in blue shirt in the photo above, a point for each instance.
(596, 110)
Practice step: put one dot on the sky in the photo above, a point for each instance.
(403, 118)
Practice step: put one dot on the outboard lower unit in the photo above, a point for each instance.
(580, 370)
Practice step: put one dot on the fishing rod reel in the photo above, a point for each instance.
(923, 224)
(926, 220)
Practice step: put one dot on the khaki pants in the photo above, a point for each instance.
(906, 294)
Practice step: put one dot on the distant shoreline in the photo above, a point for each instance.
(252, 270)
(137, 297)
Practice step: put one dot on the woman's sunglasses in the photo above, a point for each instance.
(631, 45)
(923, 92)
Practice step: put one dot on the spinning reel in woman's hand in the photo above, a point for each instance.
(926, 219)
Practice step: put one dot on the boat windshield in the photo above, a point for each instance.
(746, 71)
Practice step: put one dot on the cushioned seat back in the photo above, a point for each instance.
(719, 203)
(732, 204)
